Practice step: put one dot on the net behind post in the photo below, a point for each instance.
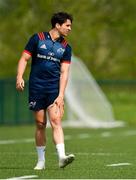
(87, 104)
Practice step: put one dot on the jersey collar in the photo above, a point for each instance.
(57, 40)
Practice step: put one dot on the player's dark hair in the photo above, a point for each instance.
(60, 18)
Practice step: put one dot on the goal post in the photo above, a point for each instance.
(86, 103)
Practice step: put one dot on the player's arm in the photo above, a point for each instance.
(20, 71)
(26, 55)
(63, 83)
(64, 73)
(63, 79)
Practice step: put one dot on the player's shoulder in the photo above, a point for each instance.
(34, 37)
(66, 44)
(38, 36)
(68, 47)
(42, 35)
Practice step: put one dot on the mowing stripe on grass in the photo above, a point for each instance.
(24, 177)
(119, 164)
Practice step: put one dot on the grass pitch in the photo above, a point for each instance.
(100, 154)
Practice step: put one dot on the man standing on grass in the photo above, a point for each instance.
(51, 57)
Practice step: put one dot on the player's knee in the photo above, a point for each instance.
(55, 121)
(40, 125)
(55, 118)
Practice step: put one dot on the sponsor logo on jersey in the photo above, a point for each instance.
(51, 54)
(48, 57)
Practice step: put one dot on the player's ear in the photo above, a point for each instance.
(57, 25)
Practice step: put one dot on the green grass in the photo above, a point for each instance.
(122, 99)
(94, 150)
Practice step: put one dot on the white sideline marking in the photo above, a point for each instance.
(101, 154)
(24, 177)
(106, 134)
(77, 153)
(68, 137)
(28, 140)
(119, 164)
(83, 136)
(17, 153)
(82, 153)
(130, 133)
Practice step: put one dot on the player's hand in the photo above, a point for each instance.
(20, 84)
(59, 101)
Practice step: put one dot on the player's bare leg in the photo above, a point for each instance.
(55, 122)
(58, 136)
(40, 140)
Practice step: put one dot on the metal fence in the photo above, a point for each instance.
(14, 104)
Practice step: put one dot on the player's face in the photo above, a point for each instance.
(65, 28)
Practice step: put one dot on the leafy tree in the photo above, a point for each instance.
(103, 33)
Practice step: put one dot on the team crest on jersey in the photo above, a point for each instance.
(60, 50)
(32, 104)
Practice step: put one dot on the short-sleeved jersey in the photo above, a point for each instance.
(47, 56)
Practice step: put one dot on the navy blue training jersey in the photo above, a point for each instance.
(47, 56)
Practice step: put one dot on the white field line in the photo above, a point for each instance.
(76, 153)
(69, 137)
(119, 164)
(130, 133)
(125, 133)
(83, 136)
(99, 154)
(23, 177)
(92, 154)
(106, 134)
(17, 153)
(15, 141)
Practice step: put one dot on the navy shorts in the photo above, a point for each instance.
(42, 102)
